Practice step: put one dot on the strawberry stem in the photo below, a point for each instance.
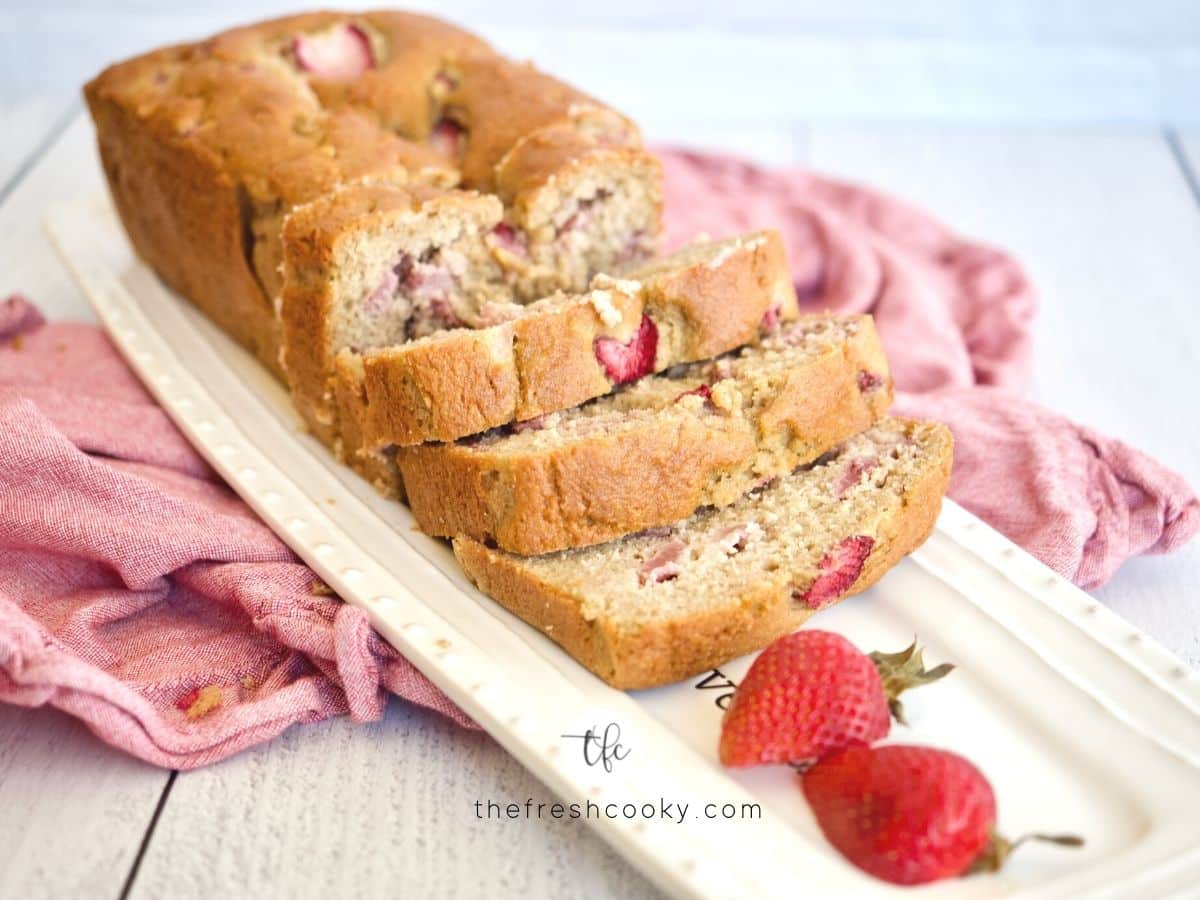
(904, 670)
(999, 848)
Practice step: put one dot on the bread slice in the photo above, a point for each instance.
(574, 208)
(373, 264)
(377, 468)
(653, 453)
(670, 603)
(564, 350)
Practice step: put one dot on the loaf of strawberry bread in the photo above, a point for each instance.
(527, 185)
(672, 602)
(651, 454)
(432, 243)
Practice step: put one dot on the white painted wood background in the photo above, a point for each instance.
(1066, 131)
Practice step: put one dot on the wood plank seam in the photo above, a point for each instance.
(148, 835)
(1181, 158)
(61, 124)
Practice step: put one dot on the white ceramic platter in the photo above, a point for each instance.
(1081, 723)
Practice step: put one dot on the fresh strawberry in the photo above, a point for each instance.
(838, 569)
(628, 362)
(338, 54)
(813, 692)
(908, 814)
(904, 814)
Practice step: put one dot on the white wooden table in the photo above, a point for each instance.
(1108, 221)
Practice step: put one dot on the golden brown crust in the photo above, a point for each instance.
(753, 283)
(377, 468)
(662, 652)
(464, 382)
(206, 145)
(416, 49)
(610, 484)
(600, 489)
(183, 216)
(554, 356)
(440, 389)
(501, 104)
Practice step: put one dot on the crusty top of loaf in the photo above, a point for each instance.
(242, 100)
(360, 208)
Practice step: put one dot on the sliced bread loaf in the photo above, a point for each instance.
(564, 350)
(672, 602)
(652, 453)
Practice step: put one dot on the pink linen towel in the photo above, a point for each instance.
(955, 319)
(139, 594)
(137, 591)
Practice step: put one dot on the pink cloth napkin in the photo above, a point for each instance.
(955, 320)
(139, 594)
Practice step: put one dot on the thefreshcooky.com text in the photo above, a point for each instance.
(674, 812)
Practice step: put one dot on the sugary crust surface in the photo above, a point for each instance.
(466, 382)
(613, 482)
(662, 651)
(502, 104)
(247, 81)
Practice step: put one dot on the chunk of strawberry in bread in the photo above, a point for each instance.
(340, 53)
(837, 571)
(629, 361)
